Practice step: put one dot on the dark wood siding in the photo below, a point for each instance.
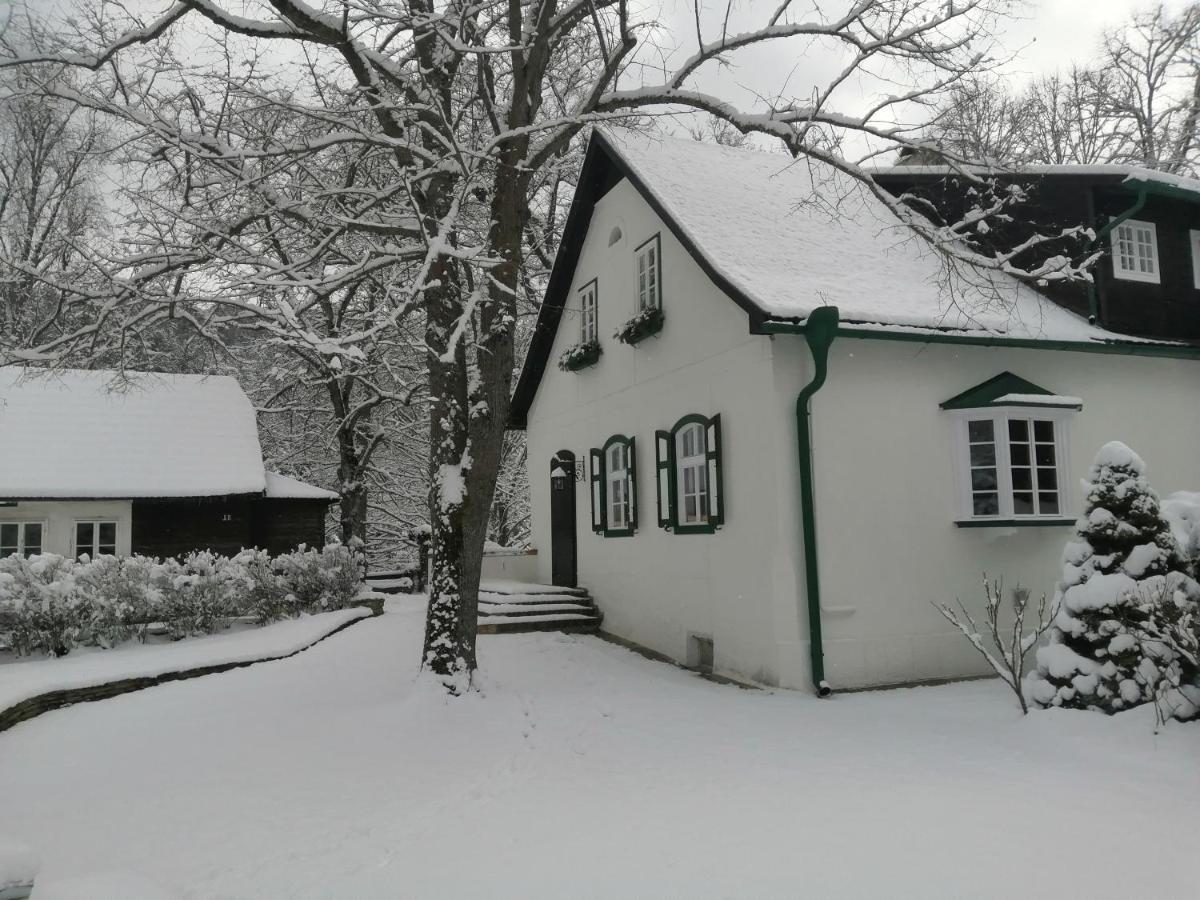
(225, 525)
(283, 525)
(1170, 309)
(177, 526)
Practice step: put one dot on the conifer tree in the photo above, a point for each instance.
(1121, 568)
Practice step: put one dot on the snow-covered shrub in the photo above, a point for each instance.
(49, 604)
(1122, 567)
(119, 595)
(1182, 512)
(320, 579)
(45, 610)
(1174, 628)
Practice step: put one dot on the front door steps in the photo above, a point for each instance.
(506, 607)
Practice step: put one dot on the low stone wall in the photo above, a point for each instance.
(35, 706)
(510, 565)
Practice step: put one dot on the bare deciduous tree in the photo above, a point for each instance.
(464, 115)
(1011, 642)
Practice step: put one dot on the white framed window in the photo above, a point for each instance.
(688, 468)
(691, 467)
(619, 496)
(614, 487)
(1013, 464)
(649, 274)
(1194, 243)
(24, 538)
(1135, 251)
(588, 322)
(95, 539)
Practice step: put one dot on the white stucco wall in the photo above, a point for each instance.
(58, 518)
(656, 587)
(886, 493)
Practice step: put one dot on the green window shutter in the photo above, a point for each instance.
(599, 501)
(664, 463)
(631, 455)
(716, 502)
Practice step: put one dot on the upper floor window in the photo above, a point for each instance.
(690, 491)
(1012, 451)
(588, 322)
(614, 488)
(96, 539)
(24, 538)
(649, 275)
(1135, 251)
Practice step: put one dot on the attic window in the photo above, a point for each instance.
(614, 236)
(649, 275)
(588, 327)
(1011, 450)
(1135, 251)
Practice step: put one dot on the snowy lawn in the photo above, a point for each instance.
(587, 771)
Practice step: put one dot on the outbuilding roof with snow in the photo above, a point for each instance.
(91, 434)
(782, 237)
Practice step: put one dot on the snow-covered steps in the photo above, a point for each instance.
(506, 607)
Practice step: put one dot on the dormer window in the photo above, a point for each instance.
(588, 327)
(1135, 251)
(649, 275)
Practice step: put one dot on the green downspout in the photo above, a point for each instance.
(1093, 294)
(819, 331)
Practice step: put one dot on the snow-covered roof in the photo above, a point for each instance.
(86, 434)
(284, 487)
(793, 235)
(1134, 177)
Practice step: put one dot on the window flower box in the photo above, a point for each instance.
(646, 323)
(580, 356)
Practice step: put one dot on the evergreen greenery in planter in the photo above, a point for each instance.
(580, 356)
(647, 322)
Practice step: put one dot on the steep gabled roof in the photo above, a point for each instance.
(82, 434)
(781, 237)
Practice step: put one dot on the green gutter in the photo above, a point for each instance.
(1093, 294)
(1169, 351)
(820, 330)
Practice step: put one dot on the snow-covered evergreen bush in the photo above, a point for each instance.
(1122, 567)
(49, 604)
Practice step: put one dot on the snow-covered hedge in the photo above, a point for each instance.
(49, 604)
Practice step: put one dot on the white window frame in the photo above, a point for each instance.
(21, 525)
(616, 467)
(647, 275)
(1194, 242)
(589, 321)
(93, 550)
(1127, 260)
(1000, 416)
(696, 462)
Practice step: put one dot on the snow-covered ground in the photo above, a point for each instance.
(587, 771)
(25, 678)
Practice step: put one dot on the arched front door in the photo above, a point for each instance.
(563, 541)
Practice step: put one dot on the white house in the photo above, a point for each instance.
(153, 464)
(811, 436)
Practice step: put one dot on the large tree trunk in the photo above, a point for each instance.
(449, 650)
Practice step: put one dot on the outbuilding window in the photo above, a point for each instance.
(95, 539)
(23, 538)
(588, 322)
(649, 275)
(1135, 251)
(689, 478)
(1012, 438)
(614, 487)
